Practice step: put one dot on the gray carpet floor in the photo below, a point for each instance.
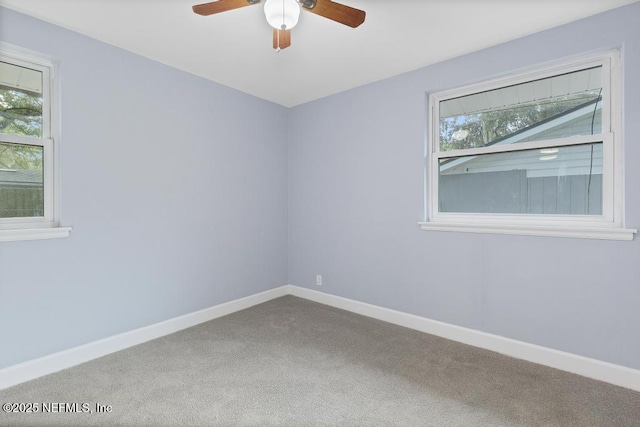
(292, 362)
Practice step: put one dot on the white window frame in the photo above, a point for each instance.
(609, 225)
(47, 226)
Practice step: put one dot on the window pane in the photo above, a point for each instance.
(555, 107)
(20, 100)
(21, 181)
(553, 181)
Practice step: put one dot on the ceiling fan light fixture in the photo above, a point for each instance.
(282, 14)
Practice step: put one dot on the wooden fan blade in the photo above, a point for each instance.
(221, 6)
(281, 39)
(339, 12)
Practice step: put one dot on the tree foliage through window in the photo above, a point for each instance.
(20, 114)
(484, 128)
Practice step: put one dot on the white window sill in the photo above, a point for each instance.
(34, 234)
(528, 230)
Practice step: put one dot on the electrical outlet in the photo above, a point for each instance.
(318, 280)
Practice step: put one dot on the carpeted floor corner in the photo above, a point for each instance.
(292, 362)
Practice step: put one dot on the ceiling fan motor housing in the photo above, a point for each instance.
(307, 4)
(282, 14)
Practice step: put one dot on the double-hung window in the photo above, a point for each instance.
(537, 153)
(28, 166)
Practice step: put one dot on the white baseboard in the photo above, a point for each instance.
(32, 369)
(584, 366)
(592, 368)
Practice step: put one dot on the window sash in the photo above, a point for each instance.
(48, 180)
(607, 188)
(604, 61)
(46, 89)
(522, 146)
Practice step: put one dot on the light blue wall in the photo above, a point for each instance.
(176, 190)
(356, 196)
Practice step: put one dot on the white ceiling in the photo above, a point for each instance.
(234, 48)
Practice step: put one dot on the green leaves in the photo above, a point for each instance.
(20, 112)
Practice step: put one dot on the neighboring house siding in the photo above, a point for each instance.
(512, 192)
(579, 126)
(484, 192)
(21, 193)
(565, 195)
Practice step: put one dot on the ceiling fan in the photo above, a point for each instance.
(283, 15)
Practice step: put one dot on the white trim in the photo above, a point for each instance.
(596, 369)
(36, 368)
(24, 140)
(580, 365)
(602, 233)
(509, 145)
(34, 234)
